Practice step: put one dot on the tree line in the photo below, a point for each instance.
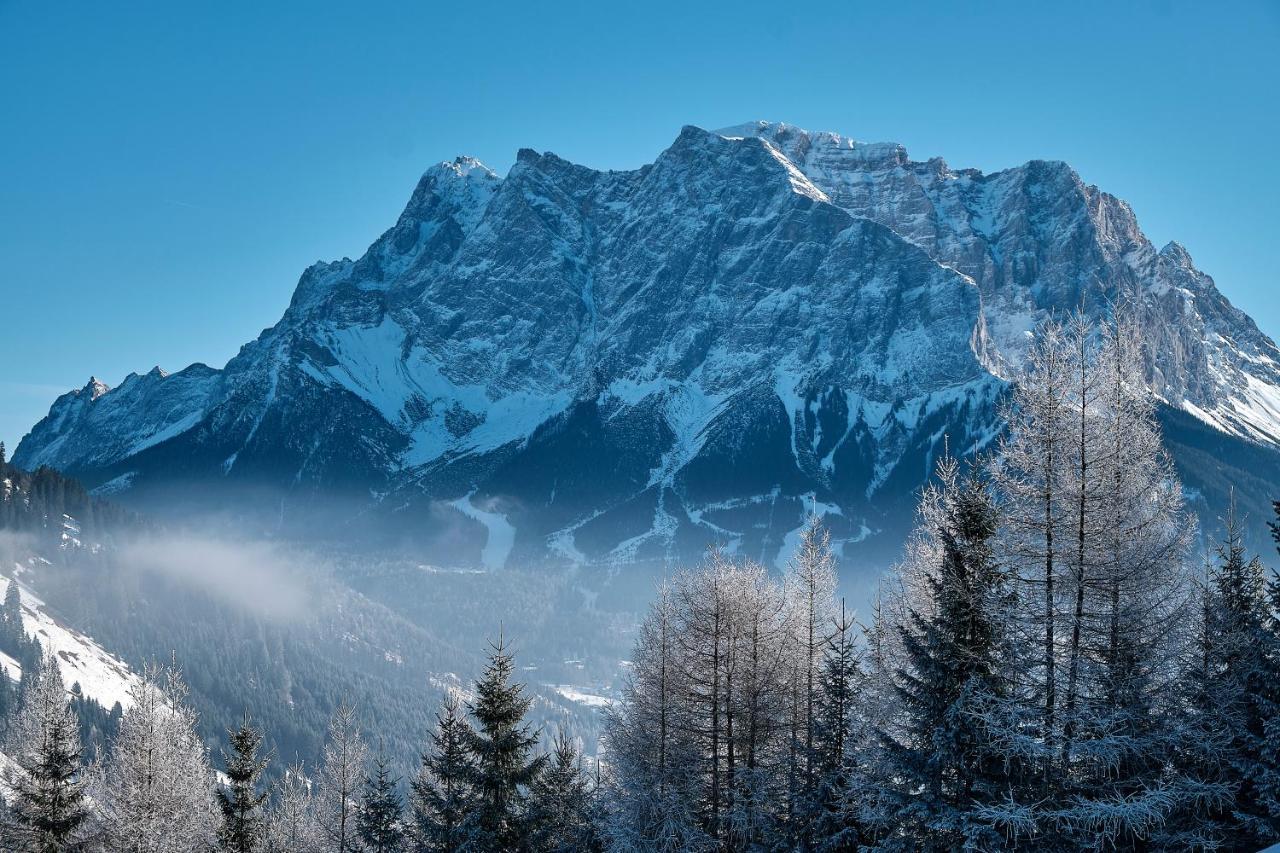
(1048, 668)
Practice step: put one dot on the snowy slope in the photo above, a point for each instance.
(570, 366)
(102, 676)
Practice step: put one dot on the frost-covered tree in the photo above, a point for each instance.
(441, 795)
(291, 819)
(243, 827)
(1129, 598)
(1028, 472)
(831, 812)
(157, 787)
(944, 767)
(378, 824)
(341, 776)
(504, 762)
(653, 788)
(810, 585)
(47, 808)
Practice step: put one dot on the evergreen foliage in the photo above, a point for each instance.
(442, 796)
(241, 801)
(379, 823)
(504, 763)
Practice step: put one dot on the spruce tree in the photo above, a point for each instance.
(831, 809)
(378, 822)
(243, 821)
(562, 815)
(442, 796)
(48, 811)
(943, 771)
(501, 748)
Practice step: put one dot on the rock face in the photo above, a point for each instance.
(568, 366)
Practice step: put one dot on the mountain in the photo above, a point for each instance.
(574, 367)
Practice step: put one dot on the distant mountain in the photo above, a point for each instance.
(568, 366)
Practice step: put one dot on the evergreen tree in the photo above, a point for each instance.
(832, 807)
(441, 795)
(48, 811)
(501, 748)
(562, 814)
(378, 823)
(943, 770)
(243, 822)
(11, 617)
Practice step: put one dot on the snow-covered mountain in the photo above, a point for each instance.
(573, 366)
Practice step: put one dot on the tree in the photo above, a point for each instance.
(653, 786)
(1027, 470)
(562, 814)
(156, 791)
(378, 823)
(501, 748)
(810, 585)
(291, 821)
(243, 822)
(831, 812)
(48, 811)
(944, 768)
(441, 795)
(341, 775)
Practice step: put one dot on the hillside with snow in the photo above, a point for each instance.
(569, 367)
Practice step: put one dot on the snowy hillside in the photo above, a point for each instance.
(567, 366)
(102, 676)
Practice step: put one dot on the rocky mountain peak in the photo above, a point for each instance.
(628, 365)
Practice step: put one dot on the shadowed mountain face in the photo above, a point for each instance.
(573, 367)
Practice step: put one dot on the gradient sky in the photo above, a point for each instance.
(167, 173)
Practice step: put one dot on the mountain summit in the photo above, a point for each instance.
(580, 367)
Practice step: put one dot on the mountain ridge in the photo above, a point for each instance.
(624, 366)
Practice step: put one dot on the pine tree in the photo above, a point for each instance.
(501, 748)
(156, 793)
(378, 822)
(48, 811)
(943, 769)
(831, 812)
(561, 809)
(243, 821)
(341, 776)
(441, 795)
(11, 616)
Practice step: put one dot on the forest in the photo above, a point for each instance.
(1059, 661)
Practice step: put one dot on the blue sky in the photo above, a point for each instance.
(166, 173)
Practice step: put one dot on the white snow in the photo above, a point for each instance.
(501, 534)
(582, 697)
(102, 676)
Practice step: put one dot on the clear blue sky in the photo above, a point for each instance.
(166, 173)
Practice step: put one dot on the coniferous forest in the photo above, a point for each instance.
(1059, 661)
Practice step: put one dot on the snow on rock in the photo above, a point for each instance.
(102, 676)
(636, 364)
